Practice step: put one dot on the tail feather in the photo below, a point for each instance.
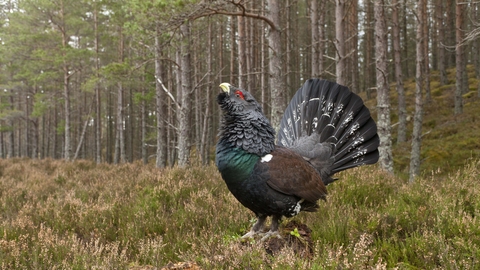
(334, 106)
(331, 117)
(357, 158)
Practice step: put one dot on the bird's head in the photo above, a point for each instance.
(243, 123)
(237, 101)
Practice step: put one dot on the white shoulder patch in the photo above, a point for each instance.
(267, 158)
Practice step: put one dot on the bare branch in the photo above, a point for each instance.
(168, 92)
(241, 13)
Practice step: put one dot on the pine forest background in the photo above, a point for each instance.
(119, 81)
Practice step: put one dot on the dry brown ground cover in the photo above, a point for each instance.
(57, 215)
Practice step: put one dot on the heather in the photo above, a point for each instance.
(80, 215)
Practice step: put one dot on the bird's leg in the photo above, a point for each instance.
(275, 223)
(257, 227)
(273, 228)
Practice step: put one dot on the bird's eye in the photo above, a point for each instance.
(239, 94)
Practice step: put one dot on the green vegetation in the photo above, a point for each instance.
(81, 215)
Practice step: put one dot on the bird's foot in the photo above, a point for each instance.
(264, 236)
(271, 234)
(250, 234)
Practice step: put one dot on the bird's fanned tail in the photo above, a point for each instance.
(330, 127)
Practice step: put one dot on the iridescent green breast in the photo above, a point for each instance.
(235, 165)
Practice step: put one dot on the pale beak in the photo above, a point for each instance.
(225, 87)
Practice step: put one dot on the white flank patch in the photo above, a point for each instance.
(267, 158)
(297, 208)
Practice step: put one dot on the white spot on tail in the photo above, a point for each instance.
(267, 158)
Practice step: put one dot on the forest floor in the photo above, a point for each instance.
(58, 215)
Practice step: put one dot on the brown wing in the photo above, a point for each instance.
(290, 174)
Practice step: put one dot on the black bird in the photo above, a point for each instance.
(325, 129)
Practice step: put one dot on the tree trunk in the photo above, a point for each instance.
(406, 36)
(177, 112)
(467, 46)
(315, 38)
(440, 25)
(242, 52)
(204, 151)
(172, 113)
(143, 127)
(369, 65)
(66, 96)
(287, 40)
(66, 90)
(321, 38)
(383, 96)
(340, 58)
(129, 126)
(55, 142)
(186, 89)
(45, 137)
(232, 52)
(2, 154)
(252, 51)
(450, 32)
(98, 105)
(32, 128)
(277, 86)
(10, 123)
(26, 125)
(402, 107)
(318, 35)
(120, 155)
(161, 154)
(35, 139)
(476, 48)
(110, 128)
(418, 116)
(264, 73)
(197, 105)
(459, 62)
(353, 50)
(426, 53)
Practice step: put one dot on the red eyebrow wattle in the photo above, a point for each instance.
(239, 93)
